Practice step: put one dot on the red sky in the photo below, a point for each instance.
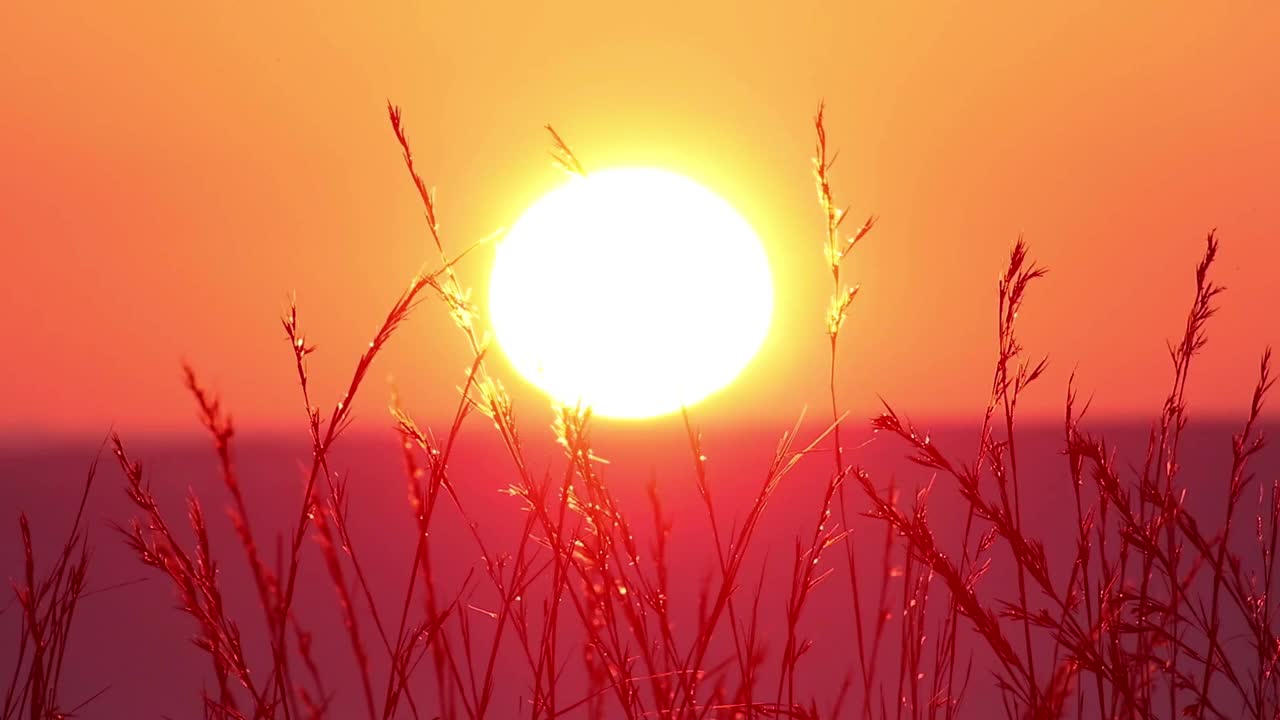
(170, 173)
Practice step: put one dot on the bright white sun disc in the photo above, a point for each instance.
(632, 291)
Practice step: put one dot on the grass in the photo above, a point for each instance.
(1132, 624)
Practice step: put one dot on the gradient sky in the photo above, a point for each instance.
(169, 173)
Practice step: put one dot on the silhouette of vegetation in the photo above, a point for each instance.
(1132, 625)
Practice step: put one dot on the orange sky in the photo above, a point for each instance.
(170, 172)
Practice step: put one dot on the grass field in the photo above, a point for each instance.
(1149, 596)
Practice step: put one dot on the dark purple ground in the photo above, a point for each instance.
(132, 640)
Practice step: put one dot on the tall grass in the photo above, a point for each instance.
(1132, 625)
(45, 605)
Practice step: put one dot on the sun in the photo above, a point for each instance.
(634, 291)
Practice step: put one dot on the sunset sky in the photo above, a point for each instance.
(171, 173)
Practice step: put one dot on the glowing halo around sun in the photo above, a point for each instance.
(633, 291)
